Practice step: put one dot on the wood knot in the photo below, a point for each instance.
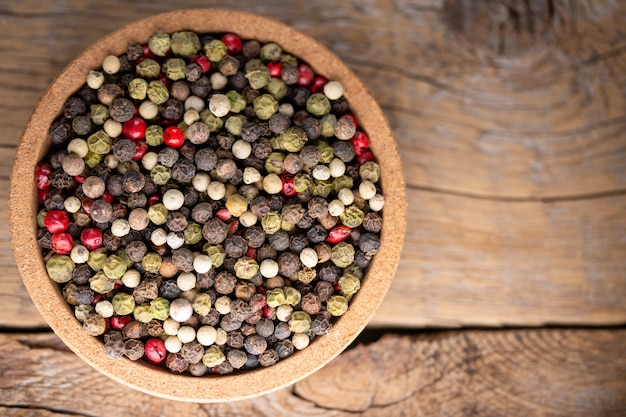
(502, 27)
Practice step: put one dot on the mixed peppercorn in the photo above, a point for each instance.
(208, 203)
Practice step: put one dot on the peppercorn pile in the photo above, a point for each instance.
(208, 203)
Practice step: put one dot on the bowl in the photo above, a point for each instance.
(23, 206)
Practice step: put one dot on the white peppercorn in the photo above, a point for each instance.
(337, 168)
(72, 204)
(269, 268)
(251, 175)
(272, 184)
(104, 308)
(321, 172)
(300, 340)
(181, 309)
(283, 312)
(201, 181)
(206, 335)
(219, 105)
(202, 264)
(138, 219)
(248, 219)
(120, 227)
(335, 207)
(377, 202)
(150, 160)
(171, 326)
(346, 196)
(131, 278)
(286, 109)
(79, 147)
(218, 81)
(111, 161)
(191, 116)
(148, 110)
(308, 256)
(241, 149)
(216, 190)
(222, 337)
(95, 79)
(367, 190)
(173, 199)
(194, 103)
(79, 254)
(112, 128)
(186, 334)
(222, 304)
(175, 240)
(111, 64)
(333, 90)
(158, 237)
(173, 344)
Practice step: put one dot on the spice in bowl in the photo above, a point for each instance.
(208, 203)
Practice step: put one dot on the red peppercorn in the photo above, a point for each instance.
(107, 324)
(153, 199)
(119, 322)
(56, 221)
(173, 137)
(86, 203)
(147, 53)
(97, 298)
(288, 188)
(155, 350)
(261, 290)
(141, 148)
(166, 81)
(232, 42)
(318, 84)
(306, 75)
(79, 178)
(223, 214)
(338, 234)
(267, 311)
(353, 118)
(91, 238)
(135, 128)
(42, 175)
(337, 288)
(274, 68)
(251, 253)
(203, 61)
(108, 197)
(62, 243)
(360, 142)
(365, 156)
(42, 194)
(233, 226)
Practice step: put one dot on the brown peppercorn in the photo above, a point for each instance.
(146, 290)
(215, 231)
(133, 330)
(155, 328)
(198, 133)
(320, 325)
(101, 211)
(192, 352)
(224, 368)
(54, 200)
(251, 49)
(180, 90)
(210, 319)
(114, 185)
(176, 363)
(77, 294)
(344, 150)
(268, 358)
(255, 344)
(311, 303)
(226, 168)
(245, 290)
(323, 251)
(318, 207)
(73, 107)
(292, 213)
(284, 348)
(172, 109)
(225, 282)
(328, 221)
(372, 222)
(176, 221)
(265, 251)
(109, 92)
(168, 157)
(274, 282)
(137, 200)
(289, 264)
(235, 339)
(133, 348)
(114, 344)
(111, 242)
(206, 160)
(229, 324)
(202, 212)
(193, 72)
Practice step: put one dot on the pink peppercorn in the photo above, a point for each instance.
(203, 61)
(155, 350)
(232, 42)
(318, 84)
(360, 142)
(153, 199)
(79, 178)
(141, 148)
(134, 128)
(267, 311)
(119, 322)
(274, 68)
(62, 243)
(306, 75)
(86, 203)
(108, 197)
(42, 176)
(338, 234)
(42, 194)
(223, 214)
(91, 238)
(173, 137)
(56, 221)
(365, 156)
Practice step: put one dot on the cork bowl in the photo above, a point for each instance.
(158, 381)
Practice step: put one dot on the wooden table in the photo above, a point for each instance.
(511, 121)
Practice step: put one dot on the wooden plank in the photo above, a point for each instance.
(515, 373)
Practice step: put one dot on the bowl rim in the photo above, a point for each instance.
(157, 381)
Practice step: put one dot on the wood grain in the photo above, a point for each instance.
(515, 158)
(515, 373)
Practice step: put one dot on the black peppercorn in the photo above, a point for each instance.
(235, 246)
(317, 234)
(183, 171)
(235, 339)
(225, 283)
(172, 109)
(254, 236)
(73, 107)
(168, 157)
(183, 259)
(136, 250)
(344, 150)
(136, 200)
(229, 324)
(169, 289)
(124, 150)
(133, 181)
(201, 88)
(192, 352)
(298, 242)
(115, 185)
(121, 110)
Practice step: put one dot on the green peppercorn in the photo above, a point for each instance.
(114, 267)
(142, 313)
(342, 254)
(234, 124)
(246, 268)
(271, 223)
(294, 139)
(327, 152)
(215, 50)
(292, 296)
(275, 297)
(100, 283)
(213, 356)
(138, 88)
(369, 171)
(274, 163)
(265, 106)
(123, 303)
(302, 182)
(97, 258)
(82, 311)
(352, 216)
(185, 43)
(289, 60)
(99, 113)
(328, 123)
(341, 182)
(214, 123)
(159, 43)
(192, 234)
(99, 143)
(318, 105)
(270, 52)
(337, 305)
(157, 92)
(216, 253)
(158, 214)
(322, 188)
(201, 304)
(174, 69)
(300, 322)
(237, 101)
(349, 284)
(253, 64)
(148, 69)
(159, 308)
(277, 88)
(152, 262)
(60, 268)
(93, 159)
(160, 174)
